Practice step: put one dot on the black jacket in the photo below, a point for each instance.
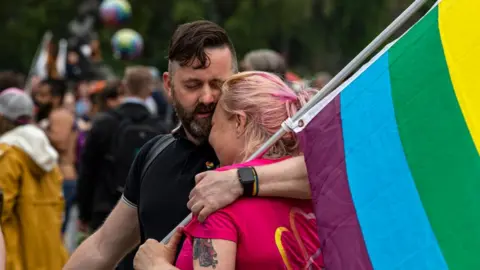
(93, 193)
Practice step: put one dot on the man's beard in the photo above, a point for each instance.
(198, 128)
(43, 111)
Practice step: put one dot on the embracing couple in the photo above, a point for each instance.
(226, 116)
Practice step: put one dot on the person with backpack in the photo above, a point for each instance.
(111, 146)
(103, 97)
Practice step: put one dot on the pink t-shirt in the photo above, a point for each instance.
(270, 233)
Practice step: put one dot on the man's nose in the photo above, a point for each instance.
(208, 96)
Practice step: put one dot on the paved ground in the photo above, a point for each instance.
(70, 237)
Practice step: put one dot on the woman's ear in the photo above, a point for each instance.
(240, 123)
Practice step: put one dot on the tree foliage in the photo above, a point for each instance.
(22, 25)
(313, 35)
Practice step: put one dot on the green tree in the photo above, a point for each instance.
(23, 23)
(314, 35)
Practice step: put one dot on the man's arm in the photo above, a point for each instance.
(121, 231)
(287, 179)
(106, 247)
(215, 190)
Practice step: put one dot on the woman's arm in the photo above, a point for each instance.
(214, 254)
(211, 245)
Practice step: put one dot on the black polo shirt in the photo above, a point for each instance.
(161, 197)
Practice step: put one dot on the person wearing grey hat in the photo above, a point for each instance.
(16, 107)
(32, 186)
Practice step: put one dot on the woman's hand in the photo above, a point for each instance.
(153, 255)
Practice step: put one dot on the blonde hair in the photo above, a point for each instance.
(266, 101)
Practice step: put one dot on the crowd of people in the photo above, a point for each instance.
(136, 155)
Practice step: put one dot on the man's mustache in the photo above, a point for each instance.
(204, 108)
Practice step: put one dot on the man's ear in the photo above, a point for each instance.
(240, 123)
(167, 85)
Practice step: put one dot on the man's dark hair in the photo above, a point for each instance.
(10, 79)
(113, 89)
(191, 39)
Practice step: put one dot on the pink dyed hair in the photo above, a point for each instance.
(266, 101)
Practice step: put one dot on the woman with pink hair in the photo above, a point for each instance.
(252, 233)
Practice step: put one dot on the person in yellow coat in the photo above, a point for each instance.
(32, 186)
(2, 251)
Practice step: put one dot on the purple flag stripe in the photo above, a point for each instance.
(331, 192)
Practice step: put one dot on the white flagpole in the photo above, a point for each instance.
(336, 81)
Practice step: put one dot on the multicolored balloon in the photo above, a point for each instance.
(127, 44)
(115, 12)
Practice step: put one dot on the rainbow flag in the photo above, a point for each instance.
(393, 154)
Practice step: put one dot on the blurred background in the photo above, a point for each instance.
(313, 35)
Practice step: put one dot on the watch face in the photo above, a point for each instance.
(246, 176)
(248, 181)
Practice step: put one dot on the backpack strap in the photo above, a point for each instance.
(155, 151)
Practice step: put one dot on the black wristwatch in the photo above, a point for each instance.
(249, 180)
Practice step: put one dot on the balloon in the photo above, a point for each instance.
(127, 44)
(115, 12)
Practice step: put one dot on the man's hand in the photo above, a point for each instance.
(153, 255)
(214, 190)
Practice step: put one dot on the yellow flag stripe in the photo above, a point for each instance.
(458, 22)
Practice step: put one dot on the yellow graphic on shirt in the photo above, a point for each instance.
(308, 258)
(281, 249)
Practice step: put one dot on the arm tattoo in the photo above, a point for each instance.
(204, 252)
